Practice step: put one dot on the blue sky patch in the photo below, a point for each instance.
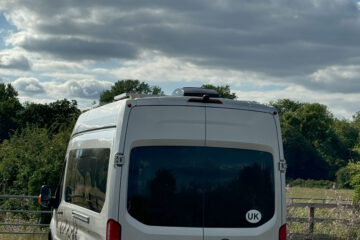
(253, 87)
(5, 28)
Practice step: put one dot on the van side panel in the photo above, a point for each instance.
(246, 130)
(152, 126)
(75, 221)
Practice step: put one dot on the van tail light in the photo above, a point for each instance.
(113, 230)
(282, 232)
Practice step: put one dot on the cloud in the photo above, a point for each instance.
(154, 67)
(46, 65)
(340, 104)
(305, 48)
(14, 61)
(28, 86)
(343, 79)
(79, 49)
(87, 89)
(272, 37)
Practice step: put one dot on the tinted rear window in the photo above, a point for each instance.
(190, 186)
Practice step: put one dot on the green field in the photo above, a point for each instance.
(23, 237)
(300, 192)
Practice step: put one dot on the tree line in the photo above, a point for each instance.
(34, 137)
(316, 144)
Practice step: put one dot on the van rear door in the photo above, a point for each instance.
(243, 199)
(158, 200)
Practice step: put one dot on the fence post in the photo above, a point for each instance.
(311, 220)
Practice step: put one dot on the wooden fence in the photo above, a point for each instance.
(312, 204)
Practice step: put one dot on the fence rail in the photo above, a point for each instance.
(292, 200)
(18, 196)
(6, 224)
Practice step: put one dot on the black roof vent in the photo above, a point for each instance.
(195, 92)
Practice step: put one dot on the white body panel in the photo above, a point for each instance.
(160, 125)
(246, 130)
(168, 121)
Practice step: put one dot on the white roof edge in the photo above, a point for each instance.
(227, 103)
(101, 117)
(108, 115)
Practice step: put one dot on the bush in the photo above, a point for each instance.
(343, 177)
(311, 183)
(355, 180)
(31, 158)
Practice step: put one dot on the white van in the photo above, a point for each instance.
(184, 167)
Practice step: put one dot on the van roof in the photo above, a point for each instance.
(108, 115)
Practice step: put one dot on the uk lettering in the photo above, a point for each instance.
(253, 216)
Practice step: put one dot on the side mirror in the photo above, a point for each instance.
(44, 198)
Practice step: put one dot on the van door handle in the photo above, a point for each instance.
(80, 216)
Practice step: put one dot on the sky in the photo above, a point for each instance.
(306, 50)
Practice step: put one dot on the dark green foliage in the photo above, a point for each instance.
(354, 169)
(343, 177)
(54, 115)
(314, 121)
(129, 86)
(33, 141)
(7, 92)
(31, 158)
(9, 110)
(311, 183)
(348, 134)
(224, 91)
(316, 144)
(286, 105)
(302, 158)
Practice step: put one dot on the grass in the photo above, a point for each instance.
(18, 219)
(23, 237)
(301, 192)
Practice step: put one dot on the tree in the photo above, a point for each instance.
(31, 158)
(356, 118)
(129, 86)
(310, 131)
(7, 92)
(315, 121)
(53, 115)
(302, 157)
(224, 91)
(10, 108)
(354, 169)
(348, 134)
(285, 105)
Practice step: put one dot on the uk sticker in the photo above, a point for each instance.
(253, 216)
